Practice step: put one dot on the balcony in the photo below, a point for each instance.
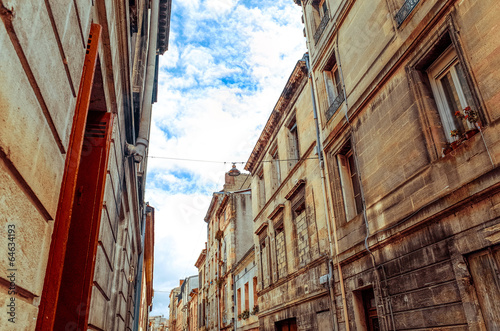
(334, 105)
(405, 11)
(321, 27)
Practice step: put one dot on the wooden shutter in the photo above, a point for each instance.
(79, 263)
(485, 270)
(55, 264)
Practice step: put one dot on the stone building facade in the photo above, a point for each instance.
(146, 298)
(77, 80)
(407, 99)
(173, 302)
(229, 222)
(187, 302)
(292, 245)
(158, 323)
(246, 305)
(201, 298)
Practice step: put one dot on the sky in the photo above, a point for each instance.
(225, 68)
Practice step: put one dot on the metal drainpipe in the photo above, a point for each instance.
(139, 150)
(217, 295)
(327, 206)
(234, 302)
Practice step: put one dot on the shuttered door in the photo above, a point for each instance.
(76, 285)
(484, 268)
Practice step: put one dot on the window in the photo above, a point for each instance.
(264, 257)
(405, 10)
(321, 18)
(349, 181)
(238, 297)
(451, 92)
(247, 294)
(261, 188)
(332, 83)
(255, 298)
(302, 227)
(225, 299)
(333, 87)
(293, 144)
(281, 265)
(275, 168)
(224, 256)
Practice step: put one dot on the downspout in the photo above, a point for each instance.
(235, 306)
(139, 150)
(217, 288)
(319, 150)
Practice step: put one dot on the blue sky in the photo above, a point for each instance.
(226, 66)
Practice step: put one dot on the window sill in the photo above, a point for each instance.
(458, 143)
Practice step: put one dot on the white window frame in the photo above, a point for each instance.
(347, 186)
(445, 64)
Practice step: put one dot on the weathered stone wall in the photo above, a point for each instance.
(244, 274)
(426, 212)
(243, 224)
(43, 47)
(305, 314)
(292, 222)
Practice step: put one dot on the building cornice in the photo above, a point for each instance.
(164, 25)
(201, 258)
(293, 83)
(276, 211)
(215, 197)
(295, 189)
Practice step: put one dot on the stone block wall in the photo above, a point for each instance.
(424, 212)
(43, 47)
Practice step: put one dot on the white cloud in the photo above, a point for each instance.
(226, 67)
(220, 7)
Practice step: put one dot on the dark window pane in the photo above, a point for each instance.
(452, 100)
(463, 84)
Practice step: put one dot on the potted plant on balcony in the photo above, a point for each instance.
(245, 314)
(455, 135)
(470, 115)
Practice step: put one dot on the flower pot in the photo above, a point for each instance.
(455, 144)
(447, 149)
(470, 133)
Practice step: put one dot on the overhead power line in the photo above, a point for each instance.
(229, 162)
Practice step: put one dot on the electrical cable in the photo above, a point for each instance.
(239, 162)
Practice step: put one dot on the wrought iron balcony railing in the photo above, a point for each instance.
(334, 105)
(321, 27)
(405, 10)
